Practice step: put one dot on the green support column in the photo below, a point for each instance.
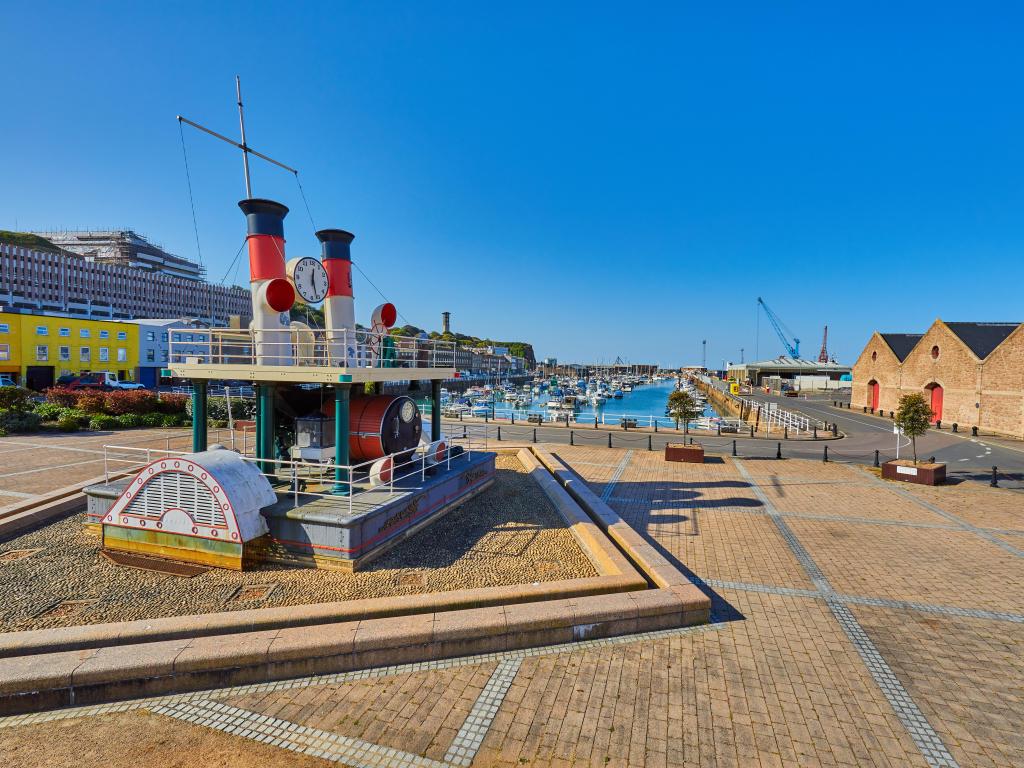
(341, 436)
(265, 428)
(198, 416)
(435, 410)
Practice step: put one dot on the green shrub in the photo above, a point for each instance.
(172, 403)
(103, 422)
(152, 420)
(129, 420)
(81, 417)
(15, 399)
(49, 411)
(3, 433)
(18, 421)
(221, 423)
(172, 419)
(68, 423)
(217, 408)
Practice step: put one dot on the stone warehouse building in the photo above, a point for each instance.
(972, 374)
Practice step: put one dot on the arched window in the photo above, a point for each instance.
(935, 352)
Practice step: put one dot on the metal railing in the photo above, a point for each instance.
(318, 348)
(293, 477)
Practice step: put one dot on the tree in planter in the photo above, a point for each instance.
(682, 407)
(913, 417)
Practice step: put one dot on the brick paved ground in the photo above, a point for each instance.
(855, 623)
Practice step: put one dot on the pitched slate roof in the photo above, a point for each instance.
(901, 343)
(982, 338)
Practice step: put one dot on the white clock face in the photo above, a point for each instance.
(408, 411)
(309, 278)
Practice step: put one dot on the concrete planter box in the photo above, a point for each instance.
(690, 454)
(922, 474)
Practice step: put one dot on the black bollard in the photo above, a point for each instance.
(938, 424)
(650, 446)
(485, 418)
(864, 409)
(815, 433)
(955, 425)
(464, 430)
(719, 429)
(931, 459)
(751, 431)
(655, 426)
(995, 478)
(609, 439)
(595, 422)
(974, 431)
(835, 430)
(513, 418)
(876, 457)
(499, 433)
(535, 434)
(824, 456)
(733, 447)
(778, 450)
(571, 438)
(785, 433)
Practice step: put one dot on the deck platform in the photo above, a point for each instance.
(339, 532)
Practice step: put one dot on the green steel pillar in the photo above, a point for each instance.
(341, 437)
(265, 428)
(198, 416)
(435, 409)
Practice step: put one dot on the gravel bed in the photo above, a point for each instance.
(510, 534)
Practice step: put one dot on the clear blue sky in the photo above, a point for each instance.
(599, 179)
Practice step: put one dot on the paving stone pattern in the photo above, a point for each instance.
(856, 624)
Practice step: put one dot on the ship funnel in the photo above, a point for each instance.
(339, 306)
(272, 294)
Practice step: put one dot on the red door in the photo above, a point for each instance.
(873, 391)
(936, 403)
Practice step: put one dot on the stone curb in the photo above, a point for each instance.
(14, 518)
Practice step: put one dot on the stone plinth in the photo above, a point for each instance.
(908, 472)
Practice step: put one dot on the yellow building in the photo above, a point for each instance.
(37, 349)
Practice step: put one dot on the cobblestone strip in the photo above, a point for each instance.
(471, 735)
(616, 476)
(13, 721)
(878, 602)
(294, 737)
(934, 751)
(981, 532)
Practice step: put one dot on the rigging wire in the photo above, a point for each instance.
(378, 290)
(305, 202)
(191, 199)
(234, 260)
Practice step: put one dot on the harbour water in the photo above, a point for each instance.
(646, 403)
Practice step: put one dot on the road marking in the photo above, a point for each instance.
(55, 466)
(878, 602)
(18, 494)
(616, 476)
(921, 731)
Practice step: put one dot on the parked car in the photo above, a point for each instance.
(111, 382)
(7, 381)
(80, 381)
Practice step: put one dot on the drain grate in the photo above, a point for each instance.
(17, 554)
(252, 593)
(63, 608)
(413, 579)
(156, 564)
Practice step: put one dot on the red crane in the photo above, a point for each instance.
(823, 355)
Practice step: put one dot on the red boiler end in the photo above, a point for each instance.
(280, 295)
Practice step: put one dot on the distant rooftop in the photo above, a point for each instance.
(782, 361)
(122, 247)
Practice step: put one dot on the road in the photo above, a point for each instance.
(864, 434)
(965, 457)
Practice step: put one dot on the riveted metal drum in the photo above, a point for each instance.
(382, 425)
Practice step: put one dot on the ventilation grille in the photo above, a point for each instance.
(177, 490)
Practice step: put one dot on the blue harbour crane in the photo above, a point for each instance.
(784, 334)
